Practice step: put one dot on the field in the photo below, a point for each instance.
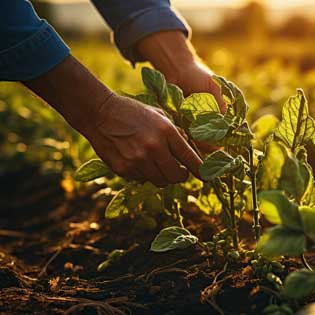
(60, 255)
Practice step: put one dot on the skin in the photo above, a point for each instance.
(137, 141)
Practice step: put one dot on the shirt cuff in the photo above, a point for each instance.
(33, 56)
(143, 24)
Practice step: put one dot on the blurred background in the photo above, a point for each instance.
(265, 47)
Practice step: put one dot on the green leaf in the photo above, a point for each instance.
(278, 209)
(117, 205)
(264, 127)
(237, 136)
(90, 170)
(197, 104)
(299, 284)
(209, 127)
(296, 177)
(148, 99)
(280, 240)
(234, 97)
(308, 220)
(155, 83)
(219, 163)
(171, 238)
(176, 97)
(296, 128)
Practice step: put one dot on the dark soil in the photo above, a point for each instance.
(51, 244)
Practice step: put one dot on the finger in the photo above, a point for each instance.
(169, 167)
(182, 151)
(152, 173)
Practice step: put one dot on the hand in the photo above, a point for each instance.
(171, 53)
(195, 78)
(138, 142)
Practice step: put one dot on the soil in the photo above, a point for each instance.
(52, 242)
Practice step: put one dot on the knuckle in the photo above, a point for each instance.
(139, 155)
(151, 143)
(164, 126)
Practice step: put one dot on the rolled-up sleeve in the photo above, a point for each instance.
(135, 19)
(29, 46)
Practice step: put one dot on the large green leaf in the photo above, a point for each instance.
(278, 209)
(155, 83)
(197, 104)
(176, 97)
(299, 284)
(117, 205)
(90, 170)
(280, 240)
(269, 174)
(308, 220)
(171, 238)
(234, 97)
(219, 163)
(210, 127)
(296, 128)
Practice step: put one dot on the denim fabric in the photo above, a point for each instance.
(29, 46)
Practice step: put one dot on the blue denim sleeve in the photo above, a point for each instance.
(133, 20)
(29, 46)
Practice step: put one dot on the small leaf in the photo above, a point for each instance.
(199, 103)
(296, 128)
(280, 240)
(274, 202)
(237, 136)
(264, 127)
(148, 99)
(299, 284)
(117, 205)
(308, 220)
(176, 96)
(90, 170)
(234, 97)
(209, 127)
(155, 82)
(173, 237)
(220, 163)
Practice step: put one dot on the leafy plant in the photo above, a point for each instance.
(263, 173)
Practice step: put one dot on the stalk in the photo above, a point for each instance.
(253, 177)
(235, 237)
(180, 218)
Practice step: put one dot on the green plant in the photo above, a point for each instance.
(264, 172)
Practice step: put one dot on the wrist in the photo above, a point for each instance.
(169, 52)
(73, 91)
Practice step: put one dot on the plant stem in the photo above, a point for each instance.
(232, 211)
(256, 212)
(179, 215)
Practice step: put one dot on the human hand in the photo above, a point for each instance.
(138, 142)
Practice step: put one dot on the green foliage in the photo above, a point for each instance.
(278, 209)
(220, 163)
(299, 284)
(296, 128)
(171, 238)
(280, 240)
(90, 170)
(156, 85)
(199, 104)
(176, 97)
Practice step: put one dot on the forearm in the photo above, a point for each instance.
(168, 51)
(72, 90)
